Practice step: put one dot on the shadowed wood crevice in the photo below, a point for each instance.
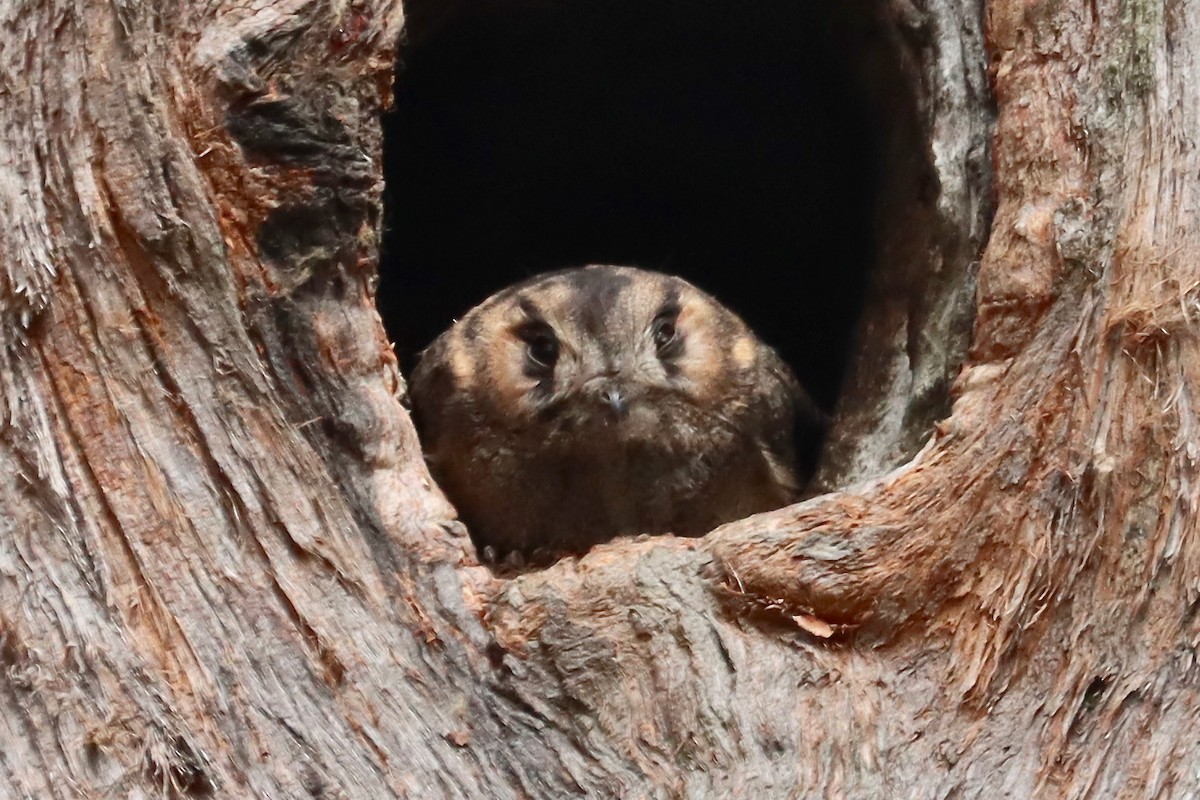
(924, 73)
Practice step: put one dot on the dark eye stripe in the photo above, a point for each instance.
(531, 311)
(670, 305)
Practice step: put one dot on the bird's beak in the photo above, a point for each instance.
(616, 400)
(606, 388)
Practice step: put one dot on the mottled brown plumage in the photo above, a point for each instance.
(604, 401)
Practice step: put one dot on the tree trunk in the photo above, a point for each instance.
(224, 570)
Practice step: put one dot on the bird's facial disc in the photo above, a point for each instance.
(627, 356)
(620, 377)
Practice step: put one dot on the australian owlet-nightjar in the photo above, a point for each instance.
(603, 401)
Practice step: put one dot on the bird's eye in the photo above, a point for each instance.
(666, 337)
(541, 346)
(543, 350)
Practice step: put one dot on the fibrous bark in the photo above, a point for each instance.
(224, 570)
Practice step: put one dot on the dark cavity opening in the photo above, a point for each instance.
(734, 145)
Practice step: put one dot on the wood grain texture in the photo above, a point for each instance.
(225, 572)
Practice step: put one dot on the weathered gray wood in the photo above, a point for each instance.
(224, 571)
(924, 71)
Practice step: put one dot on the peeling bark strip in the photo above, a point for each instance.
(224, 571)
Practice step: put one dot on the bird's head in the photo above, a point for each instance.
(604, 351)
